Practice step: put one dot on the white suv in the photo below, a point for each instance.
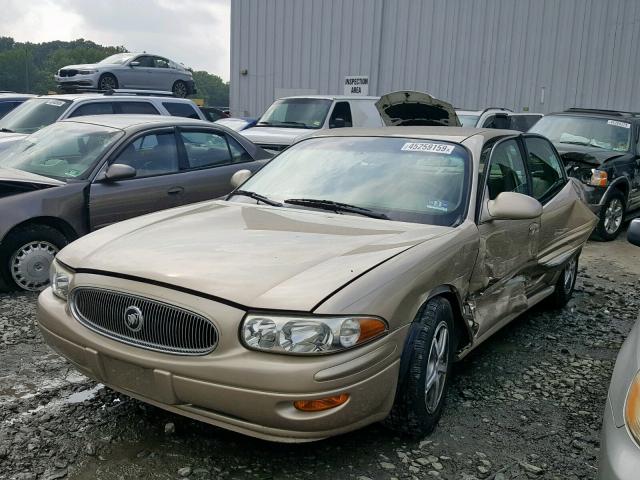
(498, 118)
(38, 112)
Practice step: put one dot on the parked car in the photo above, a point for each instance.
(41, 111)
(600, 148)
(212, 114)
(332, 289)
(128, 70)
(82, 174)
(620, 435)
(498, 118)
(11, 100)
(292, 118)
(238, 123)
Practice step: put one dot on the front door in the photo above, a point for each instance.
(507, 247)
(156, 185)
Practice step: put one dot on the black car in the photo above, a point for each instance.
(600, 148)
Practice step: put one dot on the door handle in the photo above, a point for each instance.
(175, 190)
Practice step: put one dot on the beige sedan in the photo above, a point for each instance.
(332, 289)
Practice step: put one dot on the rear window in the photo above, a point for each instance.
(181, 109)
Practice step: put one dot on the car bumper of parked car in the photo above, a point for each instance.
(233, 387)
(86, 81)
(619, 455)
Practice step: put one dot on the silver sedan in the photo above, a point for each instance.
(141, 71)
(620, 436)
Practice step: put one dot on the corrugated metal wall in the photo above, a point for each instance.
(543, 55)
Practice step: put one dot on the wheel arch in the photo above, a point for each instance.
(61, 225)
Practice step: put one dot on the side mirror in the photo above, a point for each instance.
(633, 233)
(240, 177)
(134, 64)
(338, 123)
(514, 206)
(119, 171)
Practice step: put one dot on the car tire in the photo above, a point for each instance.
(611, 217)
(429, 351)
(107, 81)
(26, 254)
(179, 89)
(565, 284)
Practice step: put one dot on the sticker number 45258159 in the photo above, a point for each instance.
(427, 147)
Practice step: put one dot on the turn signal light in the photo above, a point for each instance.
(598, 178)
(632, 408)
(321, 404)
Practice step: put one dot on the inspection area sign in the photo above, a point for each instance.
(356, 85)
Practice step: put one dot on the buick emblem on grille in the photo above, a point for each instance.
(133, 318)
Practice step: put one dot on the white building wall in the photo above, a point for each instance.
(543, 55)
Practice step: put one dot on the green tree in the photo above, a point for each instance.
(212, 88)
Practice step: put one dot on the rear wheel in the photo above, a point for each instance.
(107, 82)
(611, 217)
(180, 89)
(421, 393)
(26, 256)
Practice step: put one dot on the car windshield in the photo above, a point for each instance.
(296, 113)
(117, 59)
(468, 120)
(64, 150)
(419, 181)
(33, 114)
(595, 132)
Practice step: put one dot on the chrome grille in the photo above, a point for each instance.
(162, 327)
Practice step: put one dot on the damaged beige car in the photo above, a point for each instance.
(332, 289)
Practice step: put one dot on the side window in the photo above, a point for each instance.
(506, 170)
(152, 154)
(95, 108)
(341, 116)
(180, 109)
(544, 166)
(497, 121)
(523, 122)
(160, 62)
(238, 152)
(137, 107)
(6, 107)
(145, 61)
(206, 149)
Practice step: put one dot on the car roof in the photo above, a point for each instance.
(118, 97)
(594, 112)
(452, 134)
(131, 121)
(332, 97)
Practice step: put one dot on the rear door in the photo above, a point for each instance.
(507, 247)
(156, 185)
(211, 157)
(162, 74)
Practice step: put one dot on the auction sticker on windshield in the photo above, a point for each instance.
(428, 147)
(55, 103)
(615, 123)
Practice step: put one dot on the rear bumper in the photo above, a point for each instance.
(619, 456)
(256, 399)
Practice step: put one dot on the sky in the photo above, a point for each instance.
(193, 32)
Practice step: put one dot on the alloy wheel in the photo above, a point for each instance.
(107, 83)
(613, 216)
(180, 90)
(29, 265)
(437, 366)
(570, 274)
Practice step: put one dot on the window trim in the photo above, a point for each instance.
(482, 190)
(551, 193)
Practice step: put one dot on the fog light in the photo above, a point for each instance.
(321, 403)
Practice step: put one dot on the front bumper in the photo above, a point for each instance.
(619, 455)
(86, 81)
(234, 388)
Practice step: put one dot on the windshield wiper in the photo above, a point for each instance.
(256, 196)
(335, 207)
(6, 130)
(573, 142)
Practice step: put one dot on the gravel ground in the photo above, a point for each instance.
(527, 404)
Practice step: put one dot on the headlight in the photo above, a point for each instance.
(599, 178)
(632, 408)
(86, 72)
(60, 279)
(309, 334)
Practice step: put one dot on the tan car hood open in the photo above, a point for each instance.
(254, 256)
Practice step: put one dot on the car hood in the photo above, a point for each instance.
(255, 256)
(275, 135)
(406, 108)
(627, 366)
(14, 176)
(83, 66)
(585, 154)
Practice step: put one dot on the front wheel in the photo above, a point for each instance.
(611, 217)
(565, 284)
(26, 256)
(180, 89)
(107, 82)
(421, 393)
